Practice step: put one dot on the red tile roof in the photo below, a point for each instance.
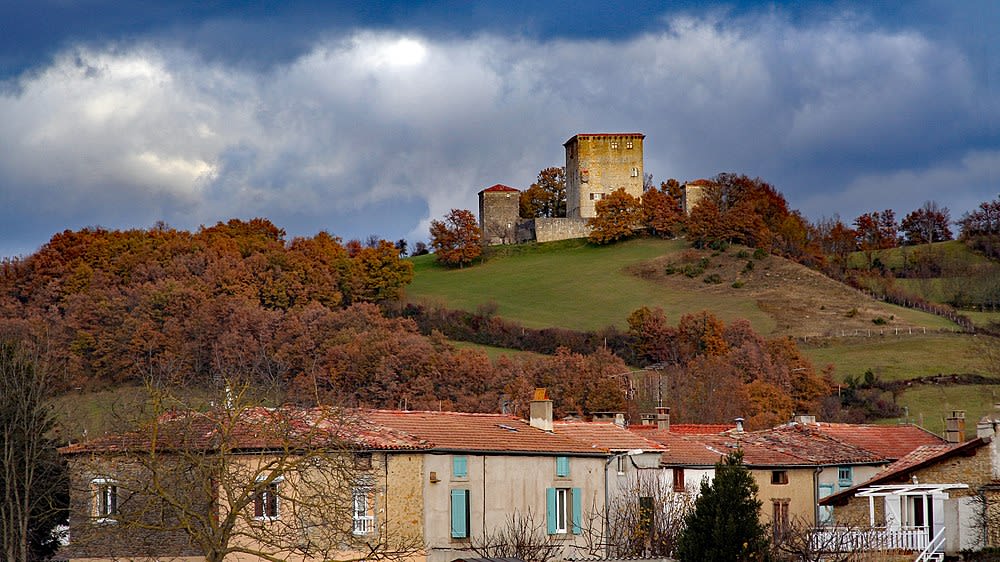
(687, 428)
(480, 432)
(500, 188)
(889, 441)
(256, 428)
(900, 471)
(605, 435)
(701, 182)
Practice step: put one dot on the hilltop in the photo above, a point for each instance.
(574, 285)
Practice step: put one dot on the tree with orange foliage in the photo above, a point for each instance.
(618, 215)
(662, 213)
(456, 240)
(547, 196)
(702, 333)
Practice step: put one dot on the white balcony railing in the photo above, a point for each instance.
(841, 539)
(364, 524)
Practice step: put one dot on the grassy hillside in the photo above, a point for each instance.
(574, 285)
(927, 405)
(961, 276)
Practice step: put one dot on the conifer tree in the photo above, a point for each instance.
(725, 523)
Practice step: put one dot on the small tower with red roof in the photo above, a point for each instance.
(499, 210)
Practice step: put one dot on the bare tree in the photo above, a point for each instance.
(33, 488)
(521, 537)
(849, 541)
(240, 479)
(642, 521)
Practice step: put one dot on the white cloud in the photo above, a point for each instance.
(130, 134)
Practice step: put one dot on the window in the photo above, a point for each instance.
(646, 514)
(779, 477)
(779, 516)
(562, 467)
(628, 144)
(105, 499)
(584, 175)
(265, 500)
(679, 480)
(596, 196)
(460, 466)
(363, 461)
(614, 144)
(845, 476)
(563, 512)
(635, 172)
(364, 520)
(459, 514)
(622, 463)
(825, 511)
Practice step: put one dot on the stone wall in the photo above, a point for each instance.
(598, 164)
(551, 229)
(498, 216)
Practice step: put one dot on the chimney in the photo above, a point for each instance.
(620, 419)
(987, 427)
(803, 419)
(647, 419)
(663, 418)
(954, 427)
(739, 425)
(541, 410)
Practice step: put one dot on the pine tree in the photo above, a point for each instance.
(725, 523)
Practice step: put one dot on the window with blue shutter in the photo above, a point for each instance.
(550, 510)
(562, 467)
(845, 476)
(459, 514)
(460, 466)
(577, 511)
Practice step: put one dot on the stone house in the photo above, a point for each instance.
(940, 498)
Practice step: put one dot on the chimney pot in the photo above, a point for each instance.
(663, 418)
(541, 410)
(739, 425)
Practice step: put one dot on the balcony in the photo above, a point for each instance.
(847, 539)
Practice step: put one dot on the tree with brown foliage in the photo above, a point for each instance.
(456, 239)
(618, 216)
(926, 225)
(662, 212)
(547, 196)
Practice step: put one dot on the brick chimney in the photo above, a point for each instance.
(663, 418)
(954, 427)
(540, 409)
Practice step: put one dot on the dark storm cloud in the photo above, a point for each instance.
(378, 129)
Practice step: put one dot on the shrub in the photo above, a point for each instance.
(713, 279)
(878, 320)
(737, 284)
(759, 254)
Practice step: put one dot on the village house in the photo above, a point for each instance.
(938, 499)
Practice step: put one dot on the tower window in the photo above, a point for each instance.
(628, 144)
(614, 144)
(635, 172)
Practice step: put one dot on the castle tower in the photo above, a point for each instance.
(599, 163)
(499, 210)
(692, 192)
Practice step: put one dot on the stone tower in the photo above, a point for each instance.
(599, 163)
(499, 210)
(692, 192)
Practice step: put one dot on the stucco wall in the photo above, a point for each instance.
(498, 487)
(798, 491)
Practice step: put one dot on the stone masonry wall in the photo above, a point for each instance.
(551, 229)
(498, 216)
(599, 164)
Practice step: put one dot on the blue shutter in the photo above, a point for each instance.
(459, 514)
(577, 511)
(562, 466)
(550, 510)
(460, 466)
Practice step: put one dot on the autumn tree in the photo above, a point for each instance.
(33, 485)
(725, 523)
(456, 240)
(661, 211)
(547, 196)
(876, 231)
(836, 240)
(926, 225)
(618, 216)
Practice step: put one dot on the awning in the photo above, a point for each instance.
(909, 490)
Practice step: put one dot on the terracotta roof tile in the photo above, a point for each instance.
(479, 432)
(500, 188)
(605, 435)
(687, 428)
(889, 441)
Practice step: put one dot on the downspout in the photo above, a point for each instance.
(484, 495)
(816, 473)
(385, 499)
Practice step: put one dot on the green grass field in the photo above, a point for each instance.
(927, 405)
(492, 352)
(569, 284)
(899, 357)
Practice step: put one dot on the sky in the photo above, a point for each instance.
(373, 118)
